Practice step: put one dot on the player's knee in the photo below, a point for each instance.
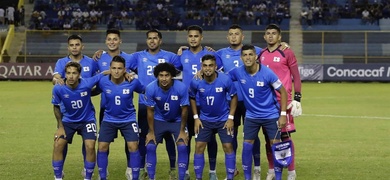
(200, 147)
(228, 148)
(103, 146)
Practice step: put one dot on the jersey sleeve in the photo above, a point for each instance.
(184, 101)
(56, 95)
(193, 88)
(233, 74)
(60, 68)
(139, 88)
(175, 60)
(231, 88)
(149, 93)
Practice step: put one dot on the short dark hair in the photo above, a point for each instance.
(165, 67)
(248, 47)
(119, 59)
(208, 57)
(75, 36)
(73, 64)
(274, 26)
(155, 31)
(196, 28)
(235, 26)
(113, 31)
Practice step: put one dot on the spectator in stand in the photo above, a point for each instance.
(85, 15)
(21, 12)
(10, 14)
(2, 15)
(61, 13)
(366, 17)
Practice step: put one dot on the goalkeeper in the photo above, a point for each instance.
(285, 66)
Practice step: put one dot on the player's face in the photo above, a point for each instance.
(72, 75)
(235, 37)
(272, 36)
(153, 41)
(165, 79)
(194, 38)
(208, 67)
(113, 42)
(249, 57)
(75, 47)
(117, 70)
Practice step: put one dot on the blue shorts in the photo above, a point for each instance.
(211, 128)
(162, 127)
(109, 131)
(87, 130)
(252, 127)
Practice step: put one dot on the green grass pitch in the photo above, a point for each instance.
(342, 134)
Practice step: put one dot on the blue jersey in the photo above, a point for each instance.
(258, 92)
(88, 66)
(104, 64)
(76, 102)
(212, 97)
(192, 63)
(167, 104)
(146, 62)
(105, 60)
(119, 106)
(230, 59)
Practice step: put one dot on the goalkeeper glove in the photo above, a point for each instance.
(295, 105)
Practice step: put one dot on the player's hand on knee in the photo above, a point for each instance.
(150, 138)
(198, 124)
(229, 126)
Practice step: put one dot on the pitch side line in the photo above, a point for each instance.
(340, 116)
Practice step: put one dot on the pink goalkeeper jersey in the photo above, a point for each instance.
(280, 62)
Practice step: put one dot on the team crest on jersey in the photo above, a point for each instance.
(218, 89)
(276, 59)
(260, 83)
(186, 60)
(243, 81)
(66, 95)
(161, 60)
(108, 91)
(126, 91)
(174, 98)
(82, 94)
(157, 98)
(144, 59)
(86, 68)
(104, 64)
(201, 90)
(227, 55)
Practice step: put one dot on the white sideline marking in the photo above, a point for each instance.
(340, 116)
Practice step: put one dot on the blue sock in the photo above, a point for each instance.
(57, 167)
(247, 159)
(256, 152)
(127, 152)
(188, 150)
(83, 151)
(212, 149)
(151, 159)
(182, 160)
(135, 163)
(230, 163)
(142, 151)
(198, 165)
(278, 171)
(170, 146)
(89, 167)
(102, 162)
